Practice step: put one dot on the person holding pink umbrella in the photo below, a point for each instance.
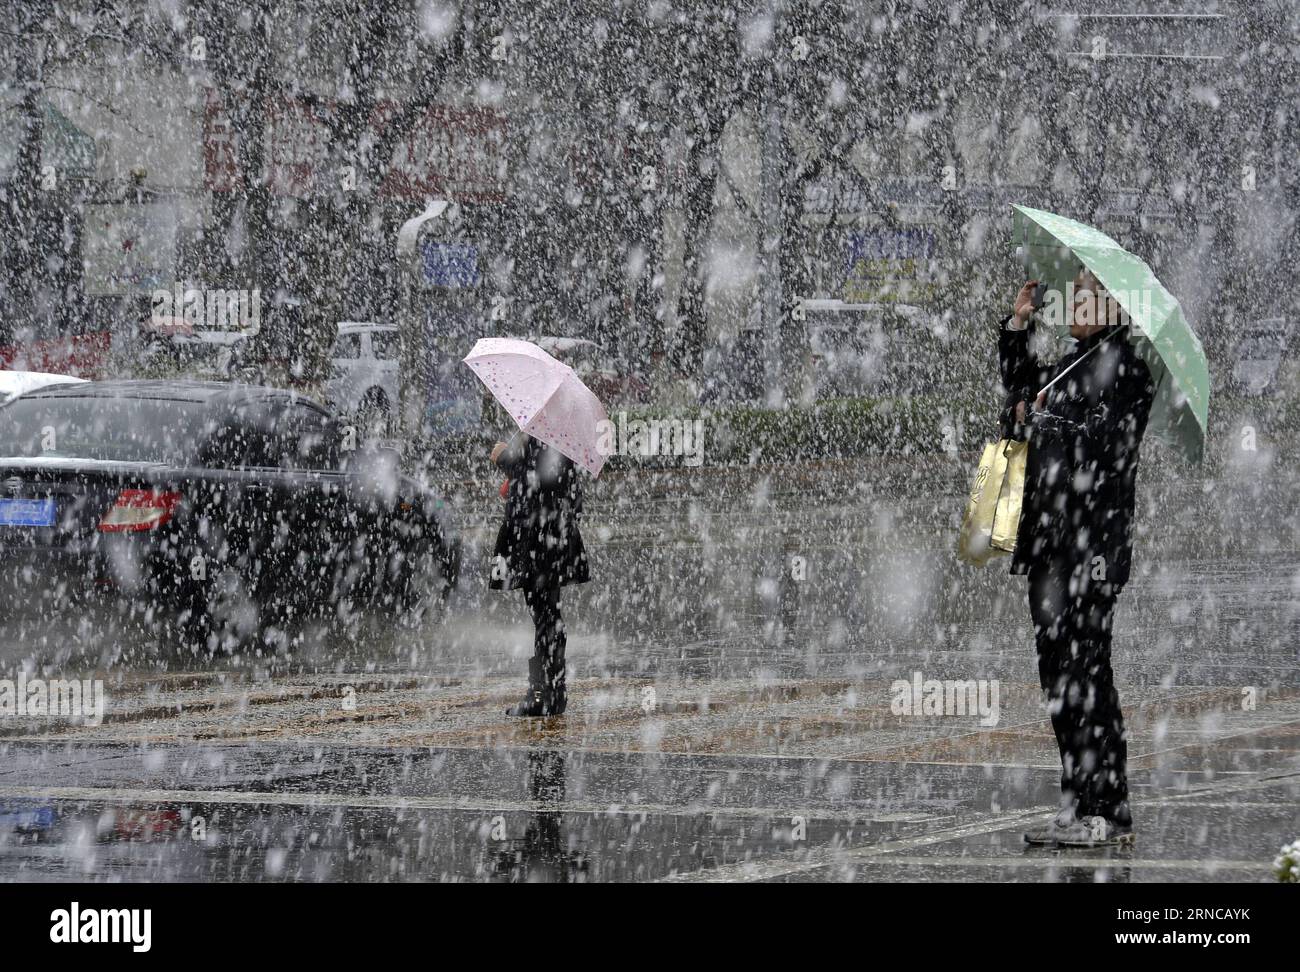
(539, 547)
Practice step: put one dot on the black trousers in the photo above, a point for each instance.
(542, 595)
(1072, 616)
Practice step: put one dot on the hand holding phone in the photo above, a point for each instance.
(1024, 306)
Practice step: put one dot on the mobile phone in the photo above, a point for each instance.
(1039, 296)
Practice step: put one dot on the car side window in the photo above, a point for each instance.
(266, 448)
(311, 439)
(238, 438)
(384, 345)
(230, 445)
(259, 442)
(347, 346)
(285, 435)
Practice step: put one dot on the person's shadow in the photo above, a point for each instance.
(1067, 871)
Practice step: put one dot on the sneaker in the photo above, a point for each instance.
(1049, 834)
(1095, 830)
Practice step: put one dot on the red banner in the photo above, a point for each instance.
(297, 149)
(454, 153)
(220, 168)
(80, 355)
(451, 153)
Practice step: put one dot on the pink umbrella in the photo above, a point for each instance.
(544, 397)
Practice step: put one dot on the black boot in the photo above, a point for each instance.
(546, 692)
(536, 699)
(556, 696)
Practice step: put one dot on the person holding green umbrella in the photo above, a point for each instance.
(1134, 364)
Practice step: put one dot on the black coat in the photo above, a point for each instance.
(539, 543)
(1081, 475)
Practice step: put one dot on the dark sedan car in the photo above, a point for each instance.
(220, 501)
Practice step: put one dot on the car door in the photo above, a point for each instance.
(247, 525)
(329, 552)
(347, 363)
(385, 348)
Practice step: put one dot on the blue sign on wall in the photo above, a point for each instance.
(889, 265)
(450, 264)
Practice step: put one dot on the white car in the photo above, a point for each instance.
(364, 373)
(15, 383)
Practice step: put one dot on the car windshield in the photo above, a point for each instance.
(114, 429)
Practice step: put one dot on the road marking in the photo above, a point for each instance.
(822, 857)
(90, 794)
(819, 858)
(1219, 740)
(1072, 858)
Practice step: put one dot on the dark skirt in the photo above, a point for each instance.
(540, 554)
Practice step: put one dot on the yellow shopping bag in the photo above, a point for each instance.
(1006, 516)
(993, 511)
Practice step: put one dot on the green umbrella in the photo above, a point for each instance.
(1052, 248)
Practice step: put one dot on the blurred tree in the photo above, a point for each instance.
(705, 55)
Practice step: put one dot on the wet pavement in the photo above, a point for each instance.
(732, 668)
(274, 812)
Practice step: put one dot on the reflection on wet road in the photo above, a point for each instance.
(357, 815)
(732, 671)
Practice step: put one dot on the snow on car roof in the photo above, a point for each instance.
(349, 326)
(550, 342)
(169, 389)
(15, 383)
